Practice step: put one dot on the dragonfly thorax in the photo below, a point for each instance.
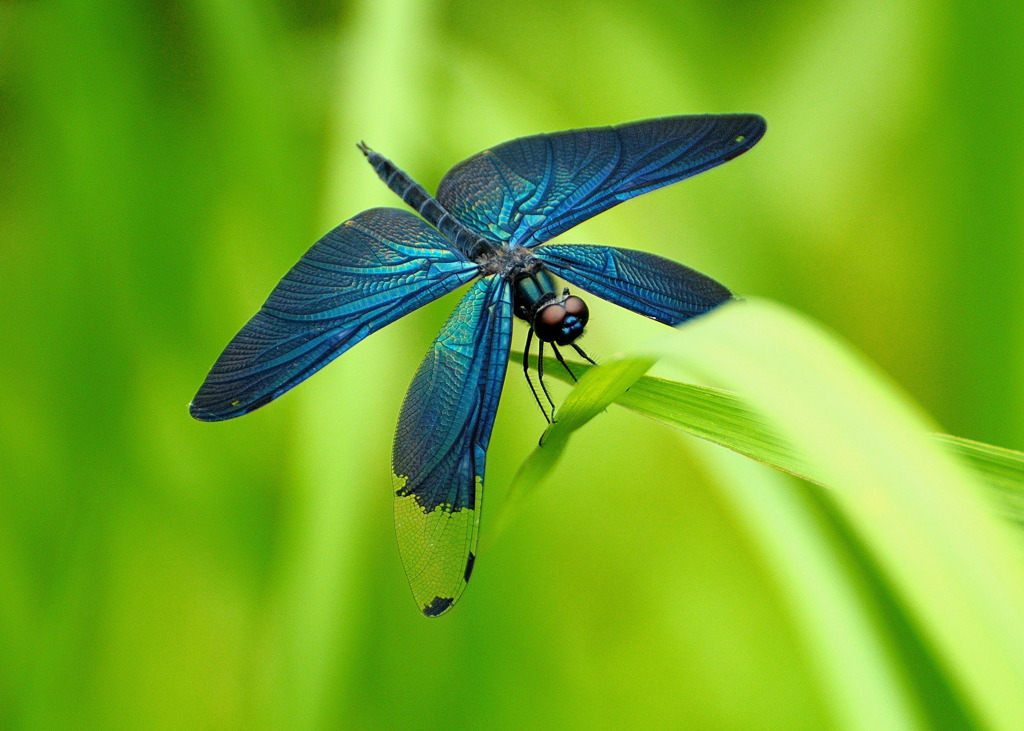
(558, 319)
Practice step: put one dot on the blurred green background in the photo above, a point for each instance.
(163, 163)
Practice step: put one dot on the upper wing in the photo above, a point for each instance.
(441, 445)
(531, 189)
(651, 285)
(360, 276)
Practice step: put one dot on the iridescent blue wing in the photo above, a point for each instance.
(360, 276)
(531, 189)
(651, 285)
(441, 445)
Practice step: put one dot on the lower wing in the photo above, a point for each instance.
(651, 285)
(441, 445)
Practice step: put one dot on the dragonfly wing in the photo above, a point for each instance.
(526, 191)
(441, 445)
(651, 285)
(360, 276)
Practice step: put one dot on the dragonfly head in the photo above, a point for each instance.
(561, 321)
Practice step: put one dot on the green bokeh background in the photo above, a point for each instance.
(163, 163)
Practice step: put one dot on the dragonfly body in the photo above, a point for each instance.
(489, 221)
(416, 196)
(534, 290)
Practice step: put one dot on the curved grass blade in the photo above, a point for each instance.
(597, 389)
(924, 536)
(1001, 469)
(725, 418)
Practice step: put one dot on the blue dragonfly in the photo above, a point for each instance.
(489, 222)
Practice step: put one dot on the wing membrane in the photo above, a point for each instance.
(528, 190)
(441, 445)
(360, 276)
(651, 285)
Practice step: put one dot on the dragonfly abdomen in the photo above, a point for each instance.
(416, 196)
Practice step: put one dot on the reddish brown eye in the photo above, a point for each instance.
(551, 316)
(548, 322)
(575, 306)
(561, 322)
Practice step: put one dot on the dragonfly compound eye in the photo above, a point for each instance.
(577, 308)
(561, 322)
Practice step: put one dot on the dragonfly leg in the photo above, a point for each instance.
(526, 372)
(558, 354)
(540, 377)
(586, 357)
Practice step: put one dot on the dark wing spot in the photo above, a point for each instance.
(438, 606)
(261, 401)
(469, 567)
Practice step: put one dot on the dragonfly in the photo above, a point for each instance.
(489, 221)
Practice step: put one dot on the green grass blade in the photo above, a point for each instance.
(724, 418)
(1001, 469)
(596, 390)
(943, 574)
